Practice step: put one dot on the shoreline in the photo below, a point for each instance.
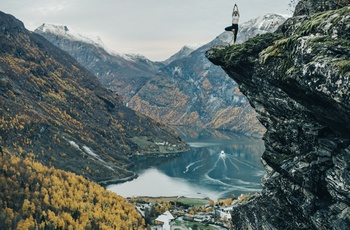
(118, 181)
(192, 201)
(138, 157)
(160, 154)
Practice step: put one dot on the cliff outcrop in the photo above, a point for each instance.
(298, 83)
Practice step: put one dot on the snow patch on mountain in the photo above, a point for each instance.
(193, 46)
(267, 23)
(130, 57)
(263, 24)
(67, 32)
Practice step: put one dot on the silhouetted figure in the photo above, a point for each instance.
(234, 27)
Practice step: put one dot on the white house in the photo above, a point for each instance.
(224, 214)
(165, 219)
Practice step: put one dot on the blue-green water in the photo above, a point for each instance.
(217, 166)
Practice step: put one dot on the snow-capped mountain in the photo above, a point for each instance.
(66, 32)
(125, 74)
(264, 24)
(184, 52)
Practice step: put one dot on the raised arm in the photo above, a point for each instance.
(235, 9)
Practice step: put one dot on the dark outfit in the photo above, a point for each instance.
(233, 27)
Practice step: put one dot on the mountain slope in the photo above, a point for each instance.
(33, 196)
(124, 74)
(298, 82)
(193, 91)
(52, 106)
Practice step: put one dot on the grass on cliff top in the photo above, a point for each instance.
(318, 18)
(283, 49)
(344, 66)
(251, 47)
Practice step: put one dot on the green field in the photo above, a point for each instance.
(195, 202)
(181, 225)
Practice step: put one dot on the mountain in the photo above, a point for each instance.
(186, 89)
(68, 33)
(184, 52)
(260, 25)
(192, 91)
(298, 83)
(51, 106)
(124, 74)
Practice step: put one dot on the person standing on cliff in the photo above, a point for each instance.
(234, 27)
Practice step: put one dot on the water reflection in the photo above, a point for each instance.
(217, 166)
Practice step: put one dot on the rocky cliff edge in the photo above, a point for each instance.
(298, 82)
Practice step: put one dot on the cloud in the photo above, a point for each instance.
(49, 9)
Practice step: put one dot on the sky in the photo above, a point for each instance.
(154, 28)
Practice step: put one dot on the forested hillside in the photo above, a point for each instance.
(33, 196)
(52, 106)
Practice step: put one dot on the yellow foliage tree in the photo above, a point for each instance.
(42, 197)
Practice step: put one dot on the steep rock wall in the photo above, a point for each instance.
(298, 83)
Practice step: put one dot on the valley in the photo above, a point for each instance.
(185, 89)
(247, 136)
(54, 108)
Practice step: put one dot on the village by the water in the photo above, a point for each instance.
(182, 213)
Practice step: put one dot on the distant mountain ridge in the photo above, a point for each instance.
(185, 89)
(196, 92)
(122, 73)
(185, 51)
(67, 32)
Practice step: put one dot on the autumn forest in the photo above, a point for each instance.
(33, 196)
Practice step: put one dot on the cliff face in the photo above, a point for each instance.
(298, 82)
(310, 7)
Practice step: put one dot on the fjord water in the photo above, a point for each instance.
(217, 166)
